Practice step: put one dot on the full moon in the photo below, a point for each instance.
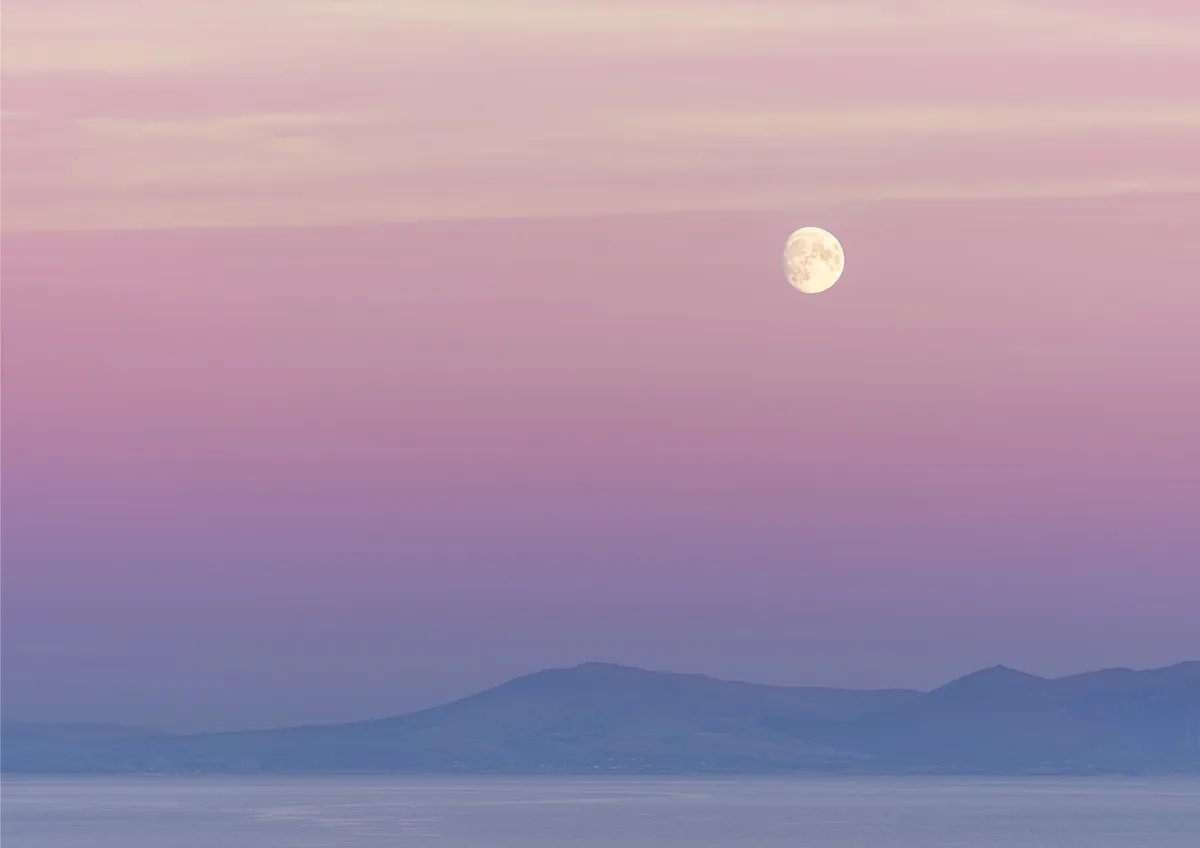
(813, 259)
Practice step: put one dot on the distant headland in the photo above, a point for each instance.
(599, 718)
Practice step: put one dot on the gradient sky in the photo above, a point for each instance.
(361, 354)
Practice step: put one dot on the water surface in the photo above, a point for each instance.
(818, 812)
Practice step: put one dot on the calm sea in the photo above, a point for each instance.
(559, 813)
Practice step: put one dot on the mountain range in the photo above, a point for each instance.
(602, 718)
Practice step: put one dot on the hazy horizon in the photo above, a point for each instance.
(587, 663)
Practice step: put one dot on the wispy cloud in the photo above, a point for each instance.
(326, 168)
(465, 108)
(130, 36)
(772, 126)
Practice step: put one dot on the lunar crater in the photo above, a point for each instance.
(813, 259)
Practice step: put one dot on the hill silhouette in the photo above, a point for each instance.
(603, 718)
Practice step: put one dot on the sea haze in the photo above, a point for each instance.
(598, 718)
(498, 812)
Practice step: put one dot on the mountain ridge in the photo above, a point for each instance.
(606, 718)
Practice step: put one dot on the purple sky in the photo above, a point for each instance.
(361, 356)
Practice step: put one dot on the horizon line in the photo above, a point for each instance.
(582, 665)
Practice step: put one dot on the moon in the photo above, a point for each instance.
(813, 259)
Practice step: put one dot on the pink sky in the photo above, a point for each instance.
(361, 354)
